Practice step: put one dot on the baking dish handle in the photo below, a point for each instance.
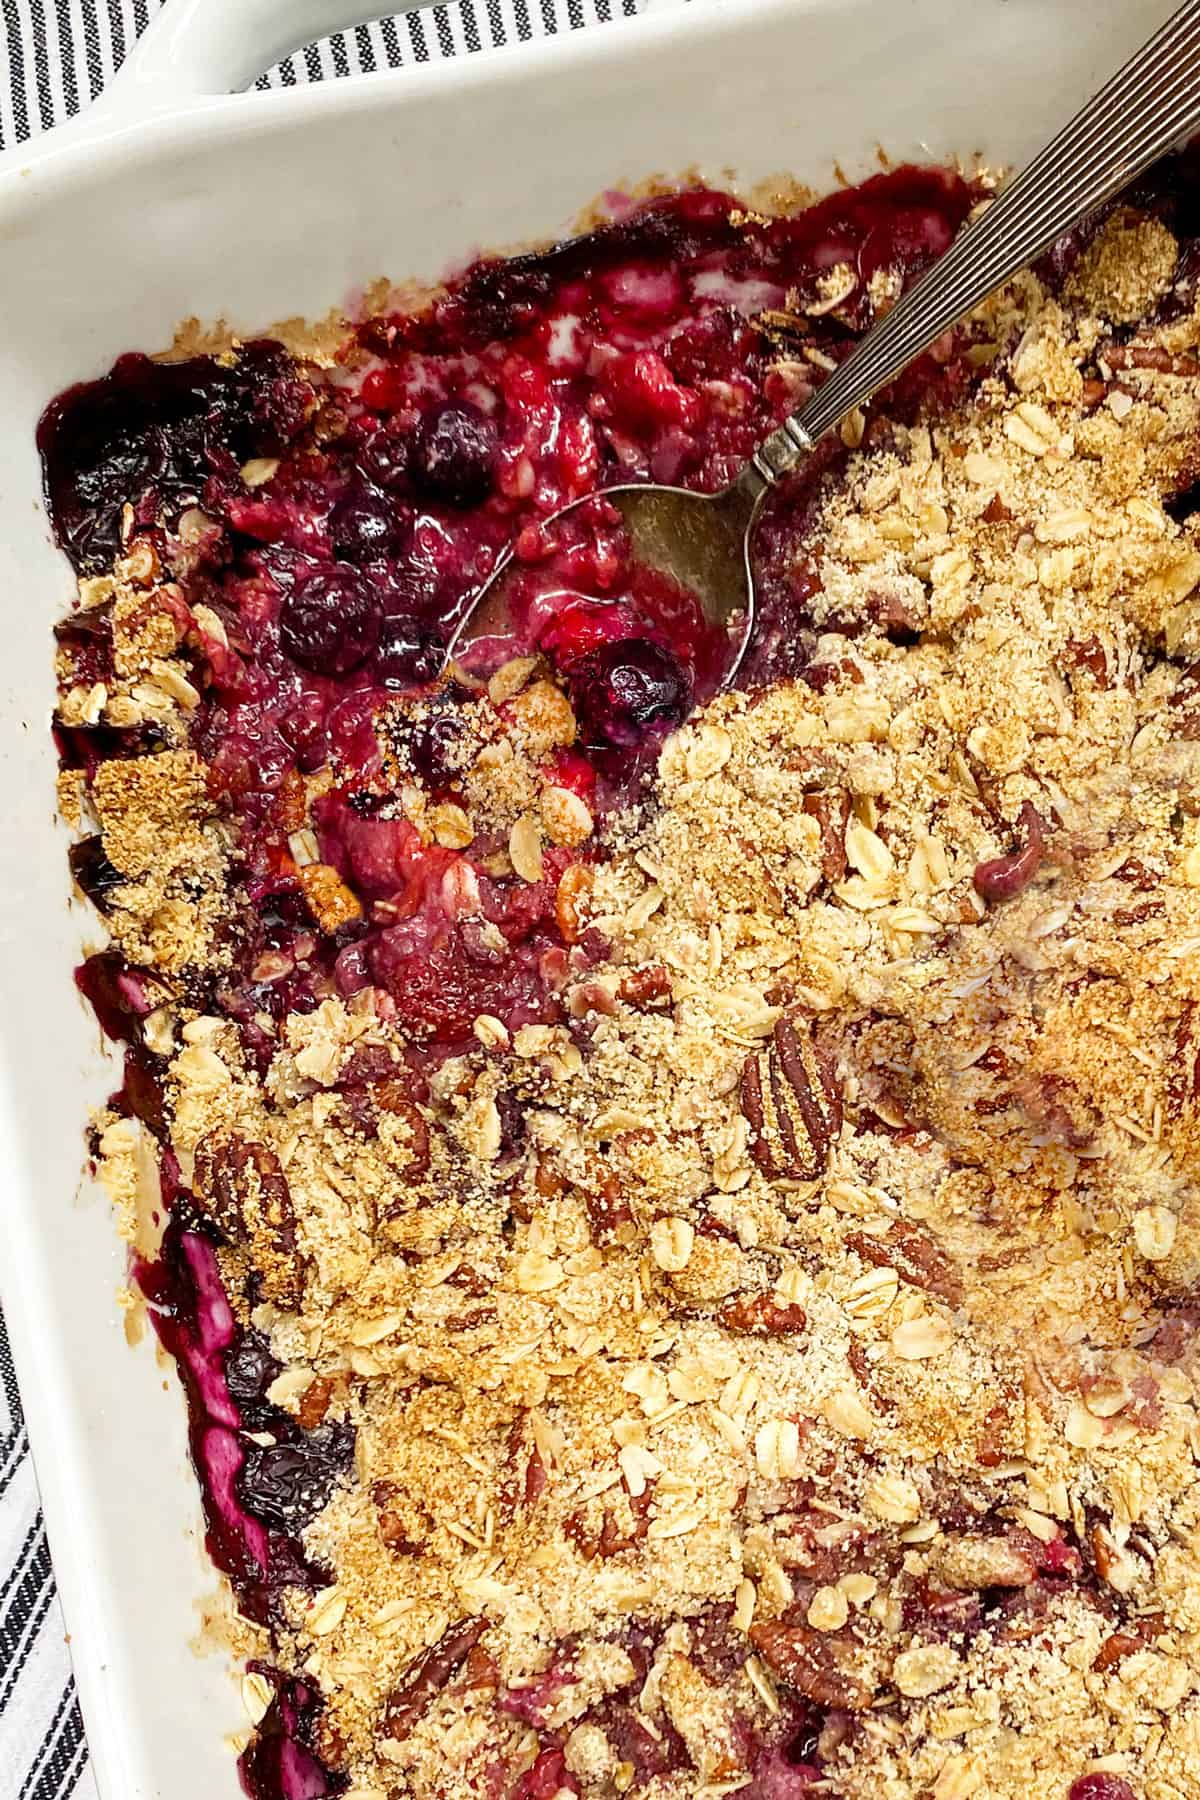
(196, 49)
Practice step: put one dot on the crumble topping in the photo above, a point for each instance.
(801, 1327)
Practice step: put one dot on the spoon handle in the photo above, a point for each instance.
(1147, 107)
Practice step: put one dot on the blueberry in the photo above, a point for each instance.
(286, 1484)
(454, 454)
(435, 749)
(406, 654)
(329, 622)
(250, 1368)
(626, 688)
(365, 524)
(384, 459)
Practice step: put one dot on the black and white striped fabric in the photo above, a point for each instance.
(55, 56)
(58, 54)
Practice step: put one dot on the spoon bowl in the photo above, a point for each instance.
(699, 541)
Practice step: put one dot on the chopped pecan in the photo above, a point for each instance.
(1058, 1111)
(760, 1316)
(608, 1211)
(314, 1402)
(1004, 877)
(1183, 1080)
(827, 673)
(642, 987)
(1136, 875)
(291, 802)
(1001, 1435)
(1088, 653)
(470, 1280)
(574, 886)
(402, 1526)
(1131, 1638)
(831, 810)
(791, 1102)
(894, 618)
(524, 1472)
(1186, 701)
(915, 1254)
(330, 901)
(1139, 914)
(425, 1677)
(243, 1190)
(1148, 356)
(621, 1526)
(815, 1663)
(393, 1097)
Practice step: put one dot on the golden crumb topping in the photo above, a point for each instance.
(828, 1286)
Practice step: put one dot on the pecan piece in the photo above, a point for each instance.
(791, 1102)
(760, 1316)
(1135, 1636)
(621, 1527)
(916, 1256)
(524, 1478)
(643, 987)
(1154, 357)
(1186, 700)
(402, 1526)
(1004, 877)
(393, 1097)
(330, 901)
(812, 1662)
(570, 896)
(314, 1402)
(1183, 1080)
(831, 810)
(425, 1677)
(610, 1217)
(243, 1190)
(1088, 653)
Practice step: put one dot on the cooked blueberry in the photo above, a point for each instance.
(454, 453)
(250, 1368)
(329, 622)
(384, 459)
(286, 1485)
(625, 688)
(406, 654)
(142, 1091)
(365, 524)
(434, 747)
(93, 872)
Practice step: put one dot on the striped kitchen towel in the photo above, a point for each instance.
(55, 56)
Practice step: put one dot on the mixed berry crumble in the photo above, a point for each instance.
(675, 1210)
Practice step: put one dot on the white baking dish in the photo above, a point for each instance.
(175, 199)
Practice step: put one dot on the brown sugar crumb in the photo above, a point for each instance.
(148, 809)
(786, 1358)
(1126, 269)
(332, 902)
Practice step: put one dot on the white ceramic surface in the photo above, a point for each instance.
(171, 200)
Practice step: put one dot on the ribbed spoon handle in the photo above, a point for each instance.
(1149, 106)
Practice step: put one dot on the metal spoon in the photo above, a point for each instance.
(703, 540)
